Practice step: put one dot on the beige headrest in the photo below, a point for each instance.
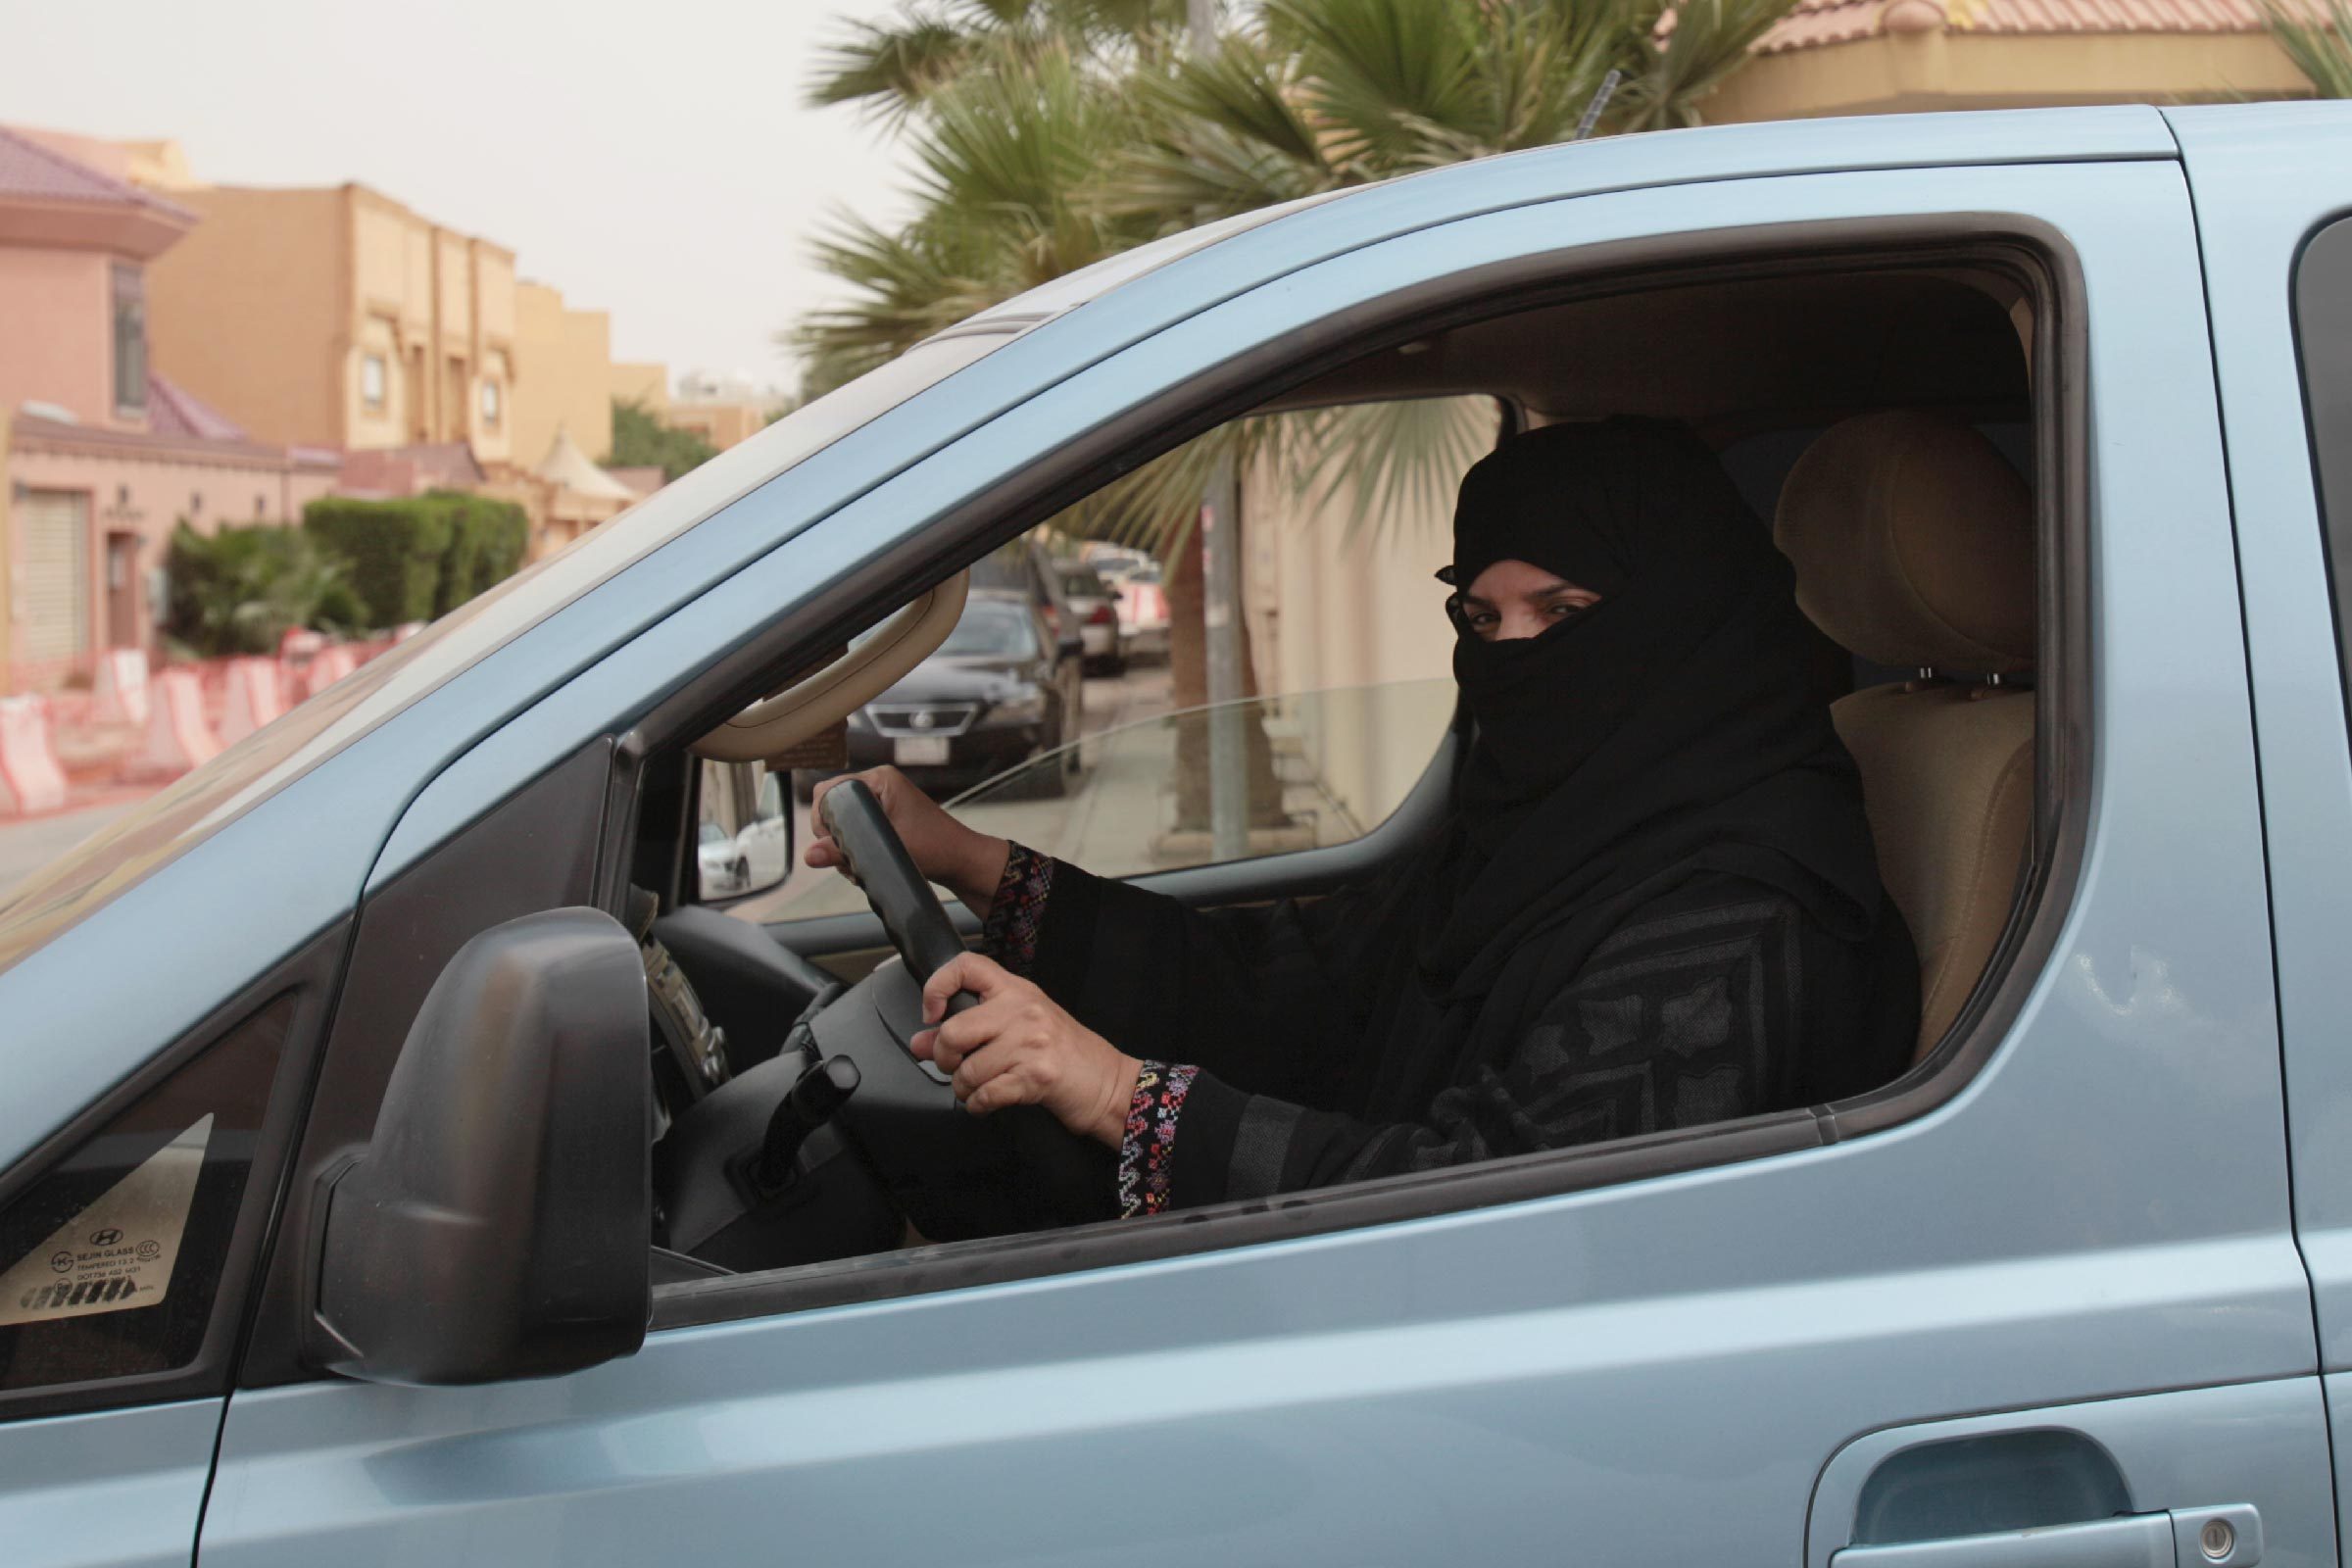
(1913, 540)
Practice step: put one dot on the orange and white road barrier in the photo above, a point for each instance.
(178, 736)
(120, 693)
(330, 666)
(31, 779)
(255, 698)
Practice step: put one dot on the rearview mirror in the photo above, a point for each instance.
(499, 1222)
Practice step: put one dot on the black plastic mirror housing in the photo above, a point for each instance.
(498, 1223)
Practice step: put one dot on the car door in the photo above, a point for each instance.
(1655, 1356)
(2271, 194)
(127, 1254)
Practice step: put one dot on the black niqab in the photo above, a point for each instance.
(1671, 729)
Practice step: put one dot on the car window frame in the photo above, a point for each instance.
(308, 978)
(2033, 251)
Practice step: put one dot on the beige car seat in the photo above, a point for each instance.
(1913, 541)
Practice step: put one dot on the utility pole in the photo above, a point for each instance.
(1221, 600)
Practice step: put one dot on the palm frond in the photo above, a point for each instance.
(891, 69)
(1370, 69)
(1390, 462)
(2320, 44)
(1705, 41)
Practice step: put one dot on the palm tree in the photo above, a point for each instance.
(897, 66)
(1319, 94)
(1050, 133)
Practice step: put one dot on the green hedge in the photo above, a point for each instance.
(487, 541)
(420, 557)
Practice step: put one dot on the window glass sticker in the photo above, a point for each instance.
(118, 1253)
(115, 1260)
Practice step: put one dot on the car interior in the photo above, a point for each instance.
(1880, 414)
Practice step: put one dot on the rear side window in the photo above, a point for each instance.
(109, 1260)
(2323, 340)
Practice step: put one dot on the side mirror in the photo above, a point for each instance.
(743, 843)
(499, 1222)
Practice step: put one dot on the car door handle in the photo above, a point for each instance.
(2229, 1537)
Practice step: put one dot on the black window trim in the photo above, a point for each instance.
(2029, 250)
(2330, 478)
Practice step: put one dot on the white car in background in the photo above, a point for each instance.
(1141, 609)
(1095, 607)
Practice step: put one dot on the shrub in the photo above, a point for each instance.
(391, 551)
(487, 540)
(420, 557)
(238, 590)
(640, 440)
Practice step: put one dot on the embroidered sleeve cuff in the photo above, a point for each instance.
(1147, 1152)
(1009, 932)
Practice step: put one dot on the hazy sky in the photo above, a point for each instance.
(652, 159)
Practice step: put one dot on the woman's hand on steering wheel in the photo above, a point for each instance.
(967, 862)
(1018, 1047)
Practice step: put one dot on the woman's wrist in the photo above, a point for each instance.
(1109, 1125)
(982, 873)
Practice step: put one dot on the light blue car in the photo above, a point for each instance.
(343, 1220)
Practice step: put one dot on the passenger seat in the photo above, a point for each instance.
(1913, 541)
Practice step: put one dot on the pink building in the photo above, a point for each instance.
(103, 458)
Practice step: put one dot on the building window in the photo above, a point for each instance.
(130, 339)
(372, 382)
(490, 397)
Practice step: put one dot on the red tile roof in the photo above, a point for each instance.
(41, 432)
(172, 410)
(30, 171)
(410, 470)
(1816, 23)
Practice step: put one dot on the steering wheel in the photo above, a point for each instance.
(952, 1173)
(850, 1083)
(875, 859)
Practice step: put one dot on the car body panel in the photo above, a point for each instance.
(122, 1489)
(2101, 1211)
(2261, 1445)
(2256, 205)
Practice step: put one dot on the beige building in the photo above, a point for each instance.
(642, 381)
(101, 456)
(563, 495)
(337, 317)
(721, 409)
(563, 373)
(1867, 57)
(722, 425)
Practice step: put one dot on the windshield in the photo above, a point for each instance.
(183, 814)
(991, 631)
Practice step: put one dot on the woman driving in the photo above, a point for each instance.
(1655, 904)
